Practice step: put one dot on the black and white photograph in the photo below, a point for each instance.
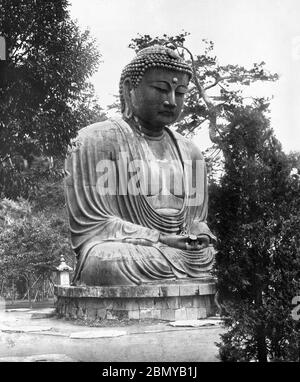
(149, 184)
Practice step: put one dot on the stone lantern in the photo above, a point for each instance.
(2, 48)
(63, 273)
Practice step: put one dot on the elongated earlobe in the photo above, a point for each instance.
(127, 87)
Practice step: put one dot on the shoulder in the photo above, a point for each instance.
(100, 134)
(109, 132)
(98, 130)
(188, 145)
(107, 136)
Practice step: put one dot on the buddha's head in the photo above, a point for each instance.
(153, 85)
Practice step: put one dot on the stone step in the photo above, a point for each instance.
(43, 313)
(98, 333)
(39, 358)
(196, 323)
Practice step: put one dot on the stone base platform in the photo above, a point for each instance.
(190, 299)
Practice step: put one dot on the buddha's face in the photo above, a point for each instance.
(158, 99)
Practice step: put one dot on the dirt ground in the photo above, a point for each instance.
(25, 338)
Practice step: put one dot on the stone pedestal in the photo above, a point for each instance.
(190, 299)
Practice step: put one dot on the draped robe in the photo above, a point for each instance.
(115, 229)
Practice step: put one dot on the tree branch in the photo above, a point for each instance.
(213, 130)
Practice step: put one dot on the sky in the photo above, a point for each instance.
(243, 32)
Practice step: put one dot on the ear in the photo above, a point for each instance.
(127, 91)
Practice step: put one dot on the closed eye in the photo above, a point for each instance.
(161, 89)
(181, 90)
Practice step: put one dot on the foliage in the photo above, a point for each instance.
(254, 210)
(31, 243)
(45, 97)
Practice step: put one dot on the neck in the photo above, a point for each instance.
(150, 130)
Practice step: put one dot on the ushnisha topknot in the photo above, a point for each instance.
(155, 56)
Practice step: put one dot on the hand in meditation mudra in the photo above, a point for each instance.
(136, 191)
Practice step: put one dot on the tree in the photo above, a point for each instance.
(254, 211)
(45, 97)
(31, 244)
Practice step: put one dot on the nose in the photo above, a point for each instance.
(171, 102)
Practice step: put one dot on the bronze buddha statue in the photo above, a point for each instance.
(136, 191)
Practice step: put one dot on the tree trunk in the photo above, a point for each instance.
(43, 289)
(13, 292)
(29, 287)
(262, 353)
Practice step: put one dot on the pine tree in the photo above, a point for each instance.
(255, 213)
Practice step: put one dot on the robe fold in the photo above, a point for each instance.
(114, 228)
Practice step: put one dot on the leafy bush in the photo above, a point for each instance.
(30, 244)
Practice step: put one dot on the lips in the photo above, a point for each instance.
(167, 113)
